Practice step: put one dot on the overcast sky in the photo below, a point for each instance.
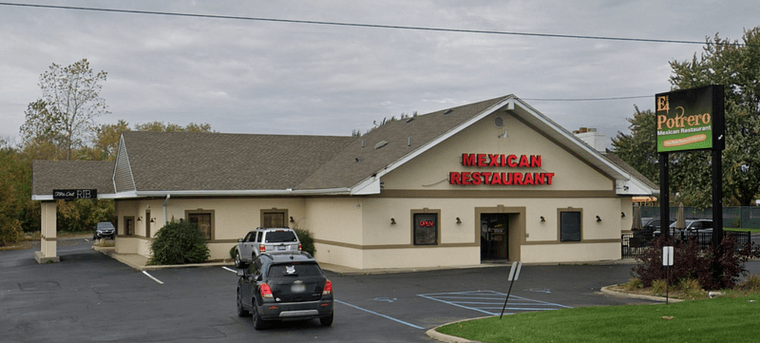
(249, 76)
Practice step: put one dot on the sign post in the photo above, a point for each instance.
(687, 120)
(667, 262)
(514, 274)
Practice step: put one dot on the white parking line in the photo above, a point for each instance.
(154, 279)
(381, 315)
(490, 302)
(229, 269)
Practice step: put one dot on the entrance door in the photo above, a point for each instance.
(494, 236)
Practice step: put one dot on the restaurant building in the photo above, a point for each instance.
(492, 180)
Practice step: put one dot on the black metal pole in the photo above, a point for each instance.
(507, 299)
(717, 200)
(664, 198)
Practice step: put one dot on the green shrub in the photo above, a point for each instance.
(659, 286)
(752, 283)
(633, 283)
(178, 243)
(692, 289)
(232, 251)
(307, 242)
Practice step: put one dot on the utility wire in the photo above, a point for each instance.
(595, 99)
(376, 26)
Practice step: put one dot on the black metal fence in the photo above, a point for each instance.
(747, 217)
(634, 243)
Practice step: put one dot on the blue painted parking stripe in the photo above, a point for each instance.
(379, 314)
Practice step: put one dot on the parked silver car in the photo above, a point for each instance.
(265, 240)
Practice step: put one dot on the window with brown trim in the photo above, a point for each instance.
(129, 226)
(570, 225)
(274, 218)
(425, 228)
(204, 220)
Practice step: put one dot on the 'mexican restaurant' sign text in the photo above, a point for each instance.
(500, 178)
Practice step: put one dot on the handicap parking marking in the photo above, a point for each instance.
(491, 302)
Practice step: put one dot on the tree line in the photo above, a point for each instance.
(736, 66)
(60, 125)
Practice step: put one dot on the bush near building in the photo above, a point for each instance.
(178, 243)
(714, 268)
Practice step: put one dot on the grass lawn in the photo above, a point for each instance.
(712, 320)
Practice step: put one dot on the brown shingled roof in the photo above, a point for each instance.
(49, 175)
(171, 161)
(356, 163)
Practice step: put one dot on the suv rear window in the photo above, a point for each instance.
(294, 269)
(280, 236)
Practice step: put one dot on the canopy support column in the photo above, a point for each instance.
(48, 236)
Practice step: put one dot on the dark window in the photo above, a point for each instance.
(273, 219)
(129, 226)
(147, 224)
(294, 270)
(280, 236)
(570, 226)
(203, 222)
(425, 228)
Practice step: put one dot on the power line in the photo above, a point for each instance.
(594, 99)
(344, 24)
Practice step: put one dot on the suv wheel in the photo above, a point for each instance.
(238, 261)
(241, 311)
(326, 321)
(258, 323)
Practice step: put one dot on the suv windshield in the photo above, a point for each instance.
(294, 270)
(281, 236)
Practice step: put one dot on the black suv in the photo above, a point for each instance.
(284, 286)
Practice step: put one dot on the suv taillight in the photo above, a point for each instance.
(266, 292)
(300, 248)
(328, 288)
(262, 248)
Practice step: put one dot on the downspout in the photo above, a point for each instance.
(168, 196)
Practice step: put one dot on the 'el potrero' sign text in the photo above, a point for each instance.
(500, 178)
(690, 119)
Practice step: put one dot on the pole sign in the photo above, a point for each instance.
(73, 194)
(690, 119)
(667, 256)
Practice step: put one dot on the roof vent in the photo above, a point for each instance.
(409, 141)
(448, 111)
(381, 144)
(409, 120)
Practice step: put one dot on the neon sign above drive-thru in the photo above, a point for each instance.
(490, 161)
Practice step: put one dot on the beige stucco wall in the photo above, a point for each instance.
(356, 231)
(430, 170)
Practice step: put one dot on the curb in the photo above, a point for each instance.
(442, 337)
(109, 251)
(607, 290)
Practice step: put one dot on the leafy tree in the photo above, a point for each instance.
(735, 66)
(105, 143)
(157, 126)
(70, 102)
(13, 191)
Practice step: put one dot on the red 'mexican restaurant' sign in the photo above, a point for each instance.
(500, 178)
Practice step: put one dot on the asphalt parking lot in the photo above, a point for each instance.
(89, 297)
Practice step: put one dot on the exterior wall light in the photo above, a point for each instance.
(291, 219)
(153, 220)
(139, 218)
(598, 219)
(393, 221)
(459, 221)
(622, 214)
(543, 219)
